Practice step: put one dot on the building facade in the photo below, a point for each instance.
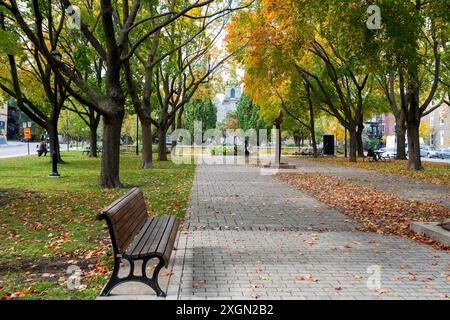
(3, 118)
(438, 122)
(229, 103)
(380, 126)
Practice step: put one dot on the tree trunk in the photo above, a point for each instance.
(359, 140)
(401, 142)
(313, 134)
(162, 148)
(413, 121)
(353, 144)
(179, 124)
(146, 140)
(109, 174)
(54, 144)
(414, 161)
(93, 141)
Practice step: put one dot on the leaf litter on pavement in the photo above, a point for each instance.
(375, 210)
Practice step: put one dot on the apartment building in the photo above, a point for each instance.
(439, 124)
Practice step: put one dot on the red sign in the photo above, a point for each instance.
(27, 133)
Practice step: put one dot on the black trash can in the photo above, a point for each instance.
(328, 145)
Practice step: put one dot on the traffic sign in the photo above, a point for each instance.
(27, 133)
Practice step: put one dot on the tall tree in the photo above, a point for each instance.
(411, 45)
(200, 110)
(310, 43)
(247, 115)
(27, 71)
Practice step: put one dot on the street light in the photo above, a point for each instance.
(137, 134)
(54, 174)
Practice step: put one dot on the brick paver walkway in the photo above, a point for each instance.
(249, 235)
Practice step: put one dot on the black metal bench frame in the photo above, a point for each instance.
(119, 255)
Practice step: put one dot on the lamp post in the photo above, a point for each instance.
(137, 135)
(54, 174)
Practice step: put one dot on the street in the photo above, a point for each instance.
(19, 149)
(16, 149)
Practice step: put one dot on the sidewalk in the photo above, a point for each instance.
(250, 236)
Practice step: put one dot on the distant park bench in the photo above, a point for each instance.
(136, 236)
(87, 150)
(375, 156)
(308, 152)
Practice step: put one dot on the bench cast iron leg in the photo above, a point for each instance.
(154, 280)
(114, 280)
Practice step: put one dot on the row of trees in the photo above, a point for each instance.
(314, 58)
(118, 57)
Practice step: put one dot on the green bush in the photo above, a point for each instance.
(220, 150)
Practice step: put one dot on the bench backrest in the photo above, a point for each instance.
(125, 218)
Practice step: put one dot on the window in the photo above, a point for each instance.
(374, 117)
(431, 139)
(432, 118)
(441, 118)
(383, 117)
(233, 93)
(441, 137)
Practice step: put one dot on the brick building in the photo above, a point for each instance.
(439, 123)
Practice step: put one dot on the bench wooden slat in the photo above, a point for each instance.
(161, 246)
(171, 241)
(154, 236)
(130, 215)
(127, 214)
(142, 237)
(133, 226)
(119, 203)
(147, 237)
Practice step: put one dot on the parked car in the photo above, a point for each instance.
(430, 152)
(387, 152)
(445, 154)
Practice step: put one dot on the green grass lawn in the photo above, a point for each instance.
(49, 224)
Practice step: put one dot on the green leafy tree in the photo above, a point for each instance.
(411, 61)
(247, 115)
(200, 110)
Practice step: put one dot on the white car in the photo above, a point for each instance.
(387, 152)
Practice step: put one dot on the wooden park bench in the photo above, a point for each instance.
(87, 150)
(373, 156)
(136, 236)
